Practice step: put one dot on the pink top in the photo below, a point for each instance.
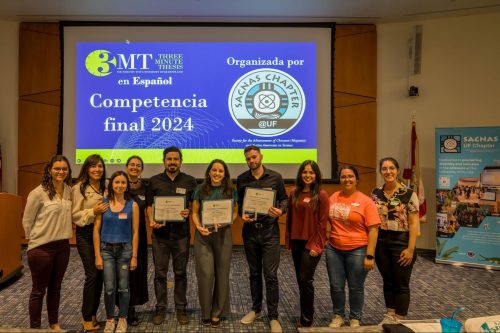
(350, 217)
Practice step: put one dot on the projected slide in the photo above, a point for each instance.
(209, 98)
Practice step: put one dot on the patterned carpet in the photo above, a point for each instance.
(436, 290)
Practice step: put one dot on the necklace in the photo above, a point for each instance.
(135, 184)
(95, 190)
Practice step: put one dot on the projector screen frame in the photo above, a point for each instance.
(332, 178)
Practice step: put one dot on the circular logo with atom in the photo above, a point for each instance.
(266, 102)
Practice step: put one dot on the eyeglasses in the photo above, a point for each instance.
(133, 165)
(390, 168)
(60, 169)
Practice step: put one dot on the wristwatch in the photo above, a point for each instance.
(370, 257)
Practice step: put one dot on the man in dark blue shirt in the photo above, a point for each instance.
(171, 238)
(261, 236)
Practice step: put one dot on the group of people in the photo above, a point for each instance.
(111, 239)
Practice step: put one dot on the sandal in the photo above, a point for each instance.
(89, 326)
(215, 322)
(55, 327)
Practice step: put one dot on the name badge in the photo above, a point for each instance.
(180, 190)
(306, 200)
(355, 204)
(122, 216)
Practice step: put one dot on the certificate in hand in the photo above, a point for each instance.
(257, 201)
(217, 212)
(168, 208)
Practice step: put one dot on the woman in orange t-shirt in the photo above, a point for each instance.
(350, 251)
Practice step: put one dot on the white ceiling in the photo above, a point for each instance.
(342, 11)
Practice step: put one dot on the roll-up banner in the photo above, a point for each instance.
(468, 196)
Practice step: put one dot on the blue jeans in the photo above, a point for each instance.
(342, 266)
(116, 264)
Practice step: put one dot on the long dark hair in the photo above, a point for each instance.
(111, 192)
(47, 183)
(83, 177)
(226, 184)
(314, 188)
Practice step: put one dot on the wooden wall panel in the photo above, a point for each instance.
(344, 99)
(355, 105)
(356, 139)
(38, 128)
(28, 180)
(39, 99)
(356, 63)
(39, 60)
(12, 231)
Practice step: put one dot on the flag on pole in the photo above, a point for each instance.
(413, 176)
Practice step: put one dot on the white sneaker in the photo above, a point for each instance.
(275, 326)
(250, 317)
(110, 326)
(122, 325)
(389, 319)
(354, 323)
(337, 321)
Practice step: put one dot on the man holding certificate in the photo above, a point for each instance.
(168, 199)
(262, 199)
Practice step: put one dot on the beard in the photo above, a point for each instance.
(172, 167)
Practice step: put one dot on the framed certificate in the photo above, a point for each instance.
(257, 201)
(168, 208)
(217, 212)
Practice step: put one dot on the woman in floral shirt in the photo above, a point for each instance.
(395, 254)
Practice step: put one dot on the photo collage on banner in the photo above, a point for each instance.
(468, 196)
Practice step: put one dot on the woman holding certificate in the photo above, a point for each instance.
(214, 209)
(307, 218)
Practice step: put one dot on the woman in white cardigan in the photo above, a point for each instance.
(47, 226)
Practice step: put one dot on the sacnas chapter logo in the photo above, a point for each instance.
(450, 143)
(266, 102)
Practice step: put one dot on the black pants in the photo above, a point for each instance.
(396, 278)
(92, 288)
(47, 263)
(305, 266)
(262, 250)
(162, 250)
